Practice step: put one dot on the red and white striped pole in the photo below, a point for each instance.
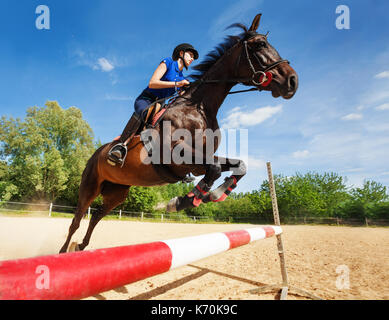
(77, 275)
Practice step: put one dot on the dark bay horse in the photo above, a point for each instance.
(247, 59)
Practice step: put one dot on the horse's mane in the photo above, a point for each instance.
(212, 57)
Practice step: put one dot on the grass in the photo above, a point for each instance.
(157, 219)
(54, 214)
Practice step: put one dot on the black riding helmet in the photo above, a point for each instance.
(184, 47)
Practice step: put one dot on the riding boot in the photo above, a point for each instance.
(118, 152)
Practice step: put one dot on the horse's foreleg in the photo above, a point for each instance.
(201, 192)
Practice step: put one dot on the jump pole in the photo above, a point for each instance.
(77, 275)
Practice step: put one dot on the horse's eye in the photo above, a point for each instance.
(261, 45)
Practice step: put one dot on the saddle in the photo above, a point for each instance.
(152, 115)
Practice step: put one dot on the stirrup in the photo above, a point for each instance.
(113, 160)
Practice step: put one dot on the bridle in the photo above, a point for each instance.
(264, 76)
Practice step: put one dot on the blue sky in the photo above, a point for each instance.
(99, 55)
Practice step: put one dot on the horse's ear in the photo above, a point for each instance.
(255, 24)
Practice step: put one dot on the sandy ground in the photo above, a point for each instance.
(330, 262)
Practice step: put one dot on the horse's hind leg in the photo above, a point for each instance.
(79, 214)
(113, 195)
(89, 190)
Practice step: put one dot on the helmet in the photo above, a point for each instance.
(184, 47)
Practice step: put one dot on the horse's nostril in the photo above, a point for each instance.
(293, 82)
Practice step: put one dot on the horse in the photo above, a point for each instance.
(247, 59)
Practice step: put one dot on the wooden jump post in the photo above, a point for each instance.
(284, 286)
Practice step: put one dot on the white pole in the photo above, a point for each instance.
(161, 217)
(120, 214)
(88, 212)
(142, 215)
(51, 208)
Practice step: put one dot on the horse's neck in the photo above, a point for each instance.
(212, 95)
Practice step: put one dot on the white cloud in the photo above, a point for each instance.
(353, 170)
(375, 95)
(234, 109)
(239, 119)
(382, 75)
(254, 163)
(352, 116)
(375, 127)
(382, 107)
(91, 60)
(349, 149)
(81, 58)
(300, 154)
(104, 65)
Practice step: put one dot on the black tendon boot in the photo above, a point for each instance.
(118, 152)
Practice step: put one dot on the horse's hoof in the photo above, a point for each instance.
(74, 247)
(172, 205)
(219, 194)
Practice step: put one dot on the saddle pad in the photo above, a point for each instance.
(151, 111)
(158, 116)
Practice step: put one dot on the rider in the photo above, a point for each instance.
(164, 83)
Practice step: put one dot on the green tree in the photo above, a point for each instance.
(140, 199)
(7, 189)
(371, 191)
(308, 194)
(369, 201)
(46, 152)
(333, 190)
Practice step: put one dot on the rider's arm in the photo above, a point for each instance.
(156, 83)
